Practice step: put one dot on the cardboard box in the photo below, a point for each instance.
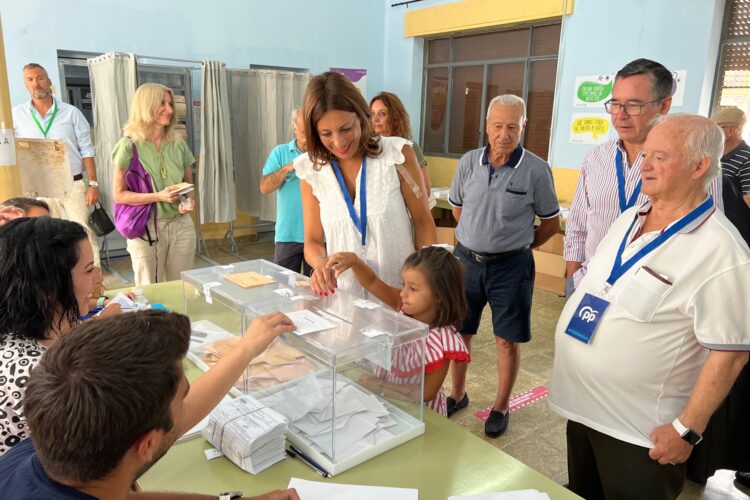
(550, 283)
(553, 245)
(446, 235)
(549, 263)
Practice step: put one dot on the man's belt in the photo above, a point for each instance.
(78, 177)
(485, 257)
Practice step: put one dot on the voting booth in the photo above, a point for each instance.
(350, 379)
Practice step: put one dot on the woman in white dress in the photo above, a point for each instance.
(346, 211)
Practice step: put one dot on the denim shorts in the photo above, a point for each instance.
(507, 284)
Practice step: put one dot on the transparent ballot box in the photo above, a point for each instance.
(214, 297)
(358, 389)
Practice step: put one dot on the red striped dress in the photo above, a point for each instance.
(443, 343)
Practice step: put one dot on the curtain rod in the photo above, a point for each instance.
(169, 59)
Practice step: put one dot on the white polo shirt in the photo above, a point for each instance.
(641, 365)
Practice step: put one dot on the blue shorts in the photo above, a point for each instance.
(508, 285)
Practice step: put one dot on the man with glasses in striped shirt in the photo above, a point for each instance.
(610, 179)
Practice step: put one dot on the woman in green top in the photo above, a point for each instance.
(166, 157)
(389, 118)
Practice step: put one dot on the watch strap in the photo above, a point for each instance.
(688, 435)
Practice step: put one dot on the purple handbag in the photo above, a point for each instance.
(132, 220)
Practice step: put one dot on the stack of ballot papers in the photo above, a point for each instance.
(361, 421)
(248, 433)
(198, 428)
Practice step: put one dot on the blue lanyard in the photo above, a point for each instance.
(359, 222)
(624, 203)
(619, 267)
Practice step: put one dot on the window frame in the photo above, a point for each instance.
(724, 42)
(485, 63)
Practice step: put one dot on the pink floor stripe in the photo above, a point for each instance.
(518, 401)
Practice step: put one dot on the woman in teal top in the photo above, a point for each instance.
(389, 118)
(167, 159)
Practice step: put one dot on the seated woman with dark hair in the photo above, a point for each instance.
(47, 271)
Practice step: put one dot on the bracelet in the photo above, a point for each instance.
(100, 301)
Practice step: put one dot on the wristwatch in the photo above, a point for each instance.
(688, 435)
(230, 495)
(94, 184)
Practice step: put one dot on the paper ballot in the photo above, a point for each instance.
(505, 495)
(317, 490)
(248, 433)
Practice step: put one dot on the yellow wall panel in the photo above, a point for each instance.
(470, 15)
(442, 170)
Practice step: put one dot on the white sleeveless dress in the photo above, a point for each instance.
(389, 231)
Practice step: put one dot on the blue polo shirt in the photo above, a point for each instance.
(498, 206)
(289, 226)
(22, 476)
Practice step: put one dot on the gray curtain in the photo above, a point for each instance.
(113, 83)
(215, 165)
(262, 103)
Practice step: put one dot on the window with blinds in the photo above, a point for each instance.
(463, 73)
(733, 78)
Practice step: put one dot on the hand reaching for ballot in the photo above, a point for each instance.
(264, 329)
(342, 261)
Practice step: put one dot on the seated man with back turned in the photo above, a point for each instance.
(104, 404)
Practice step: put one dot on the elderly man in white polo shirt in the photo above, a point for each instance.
(44, 117)
(651, 342)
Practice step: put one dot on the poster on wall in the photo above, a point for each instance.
(678, 86)
(357, 76)
(593, 91)
(589, 128)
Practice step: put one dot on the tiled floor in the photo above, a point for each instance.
(536, 435)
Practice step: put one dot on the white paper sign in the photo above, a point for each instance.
(316, 490)
(7, 147)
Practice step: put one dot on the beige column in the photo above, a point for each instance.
(10, 179)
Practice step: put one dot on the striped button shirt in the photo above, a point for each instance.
(443, 343)
(736, 166)
(596, 202)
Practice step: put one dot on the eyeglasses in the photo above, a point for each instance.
(631, 108)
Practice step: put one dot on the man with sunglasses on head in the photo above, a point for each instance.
(610, 178)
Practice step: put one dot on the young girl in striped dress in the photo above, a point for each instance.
(433, 294)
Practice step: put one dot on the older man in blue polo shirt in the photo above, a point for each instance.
(279, 176)
(496, 193)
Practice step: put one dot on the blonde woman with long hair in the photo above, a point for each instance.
(167, 249)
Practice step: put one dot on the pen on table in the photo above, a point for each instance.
(292, 451)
